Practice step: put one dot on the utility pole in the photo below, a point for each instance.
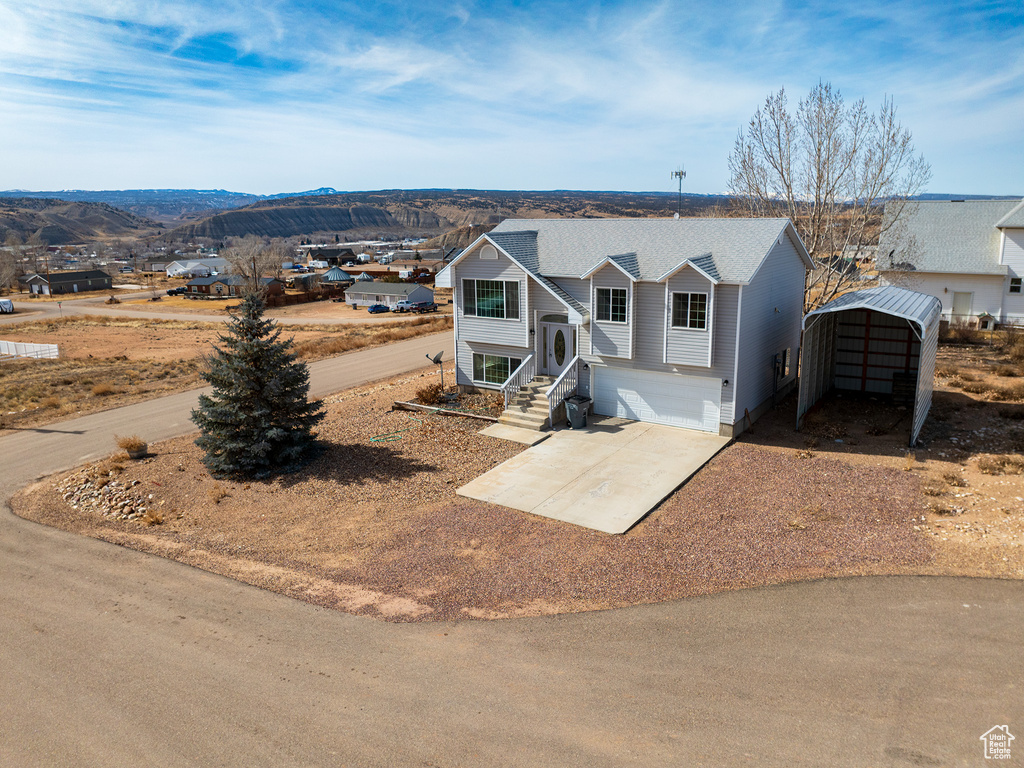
(679, 174)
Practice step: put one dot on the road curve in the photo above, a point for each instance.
(109, 657)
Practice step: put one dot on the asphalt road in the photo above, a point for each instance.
(29, 309)
(109, 657)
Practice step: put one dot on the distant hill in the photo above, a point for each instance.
(940, 196)
(428, 213)
(166, 205)
(60, 222)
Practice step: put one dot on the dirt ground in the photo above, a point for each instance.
(314, 310)
(109, 361)
(374, 526)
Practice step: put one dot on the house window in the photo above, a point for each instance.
(493, 369)
(690, 310)
(491, 298)
(611, 305)
(1015, 284)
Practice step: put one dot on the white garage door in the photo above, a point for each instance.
(694, 402)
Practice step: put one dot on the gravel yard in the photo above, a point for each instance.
(374, 526)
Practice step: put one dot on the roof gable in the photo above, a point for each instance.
(1014, 218)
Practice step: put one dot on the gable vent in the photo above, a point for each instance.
(488, 252)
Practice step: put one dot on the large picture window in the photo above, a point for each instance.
(493, 369)
(690, 310)
(491, 298)
(611, 305)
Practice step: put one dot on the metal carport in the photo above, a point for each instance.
(876, 341)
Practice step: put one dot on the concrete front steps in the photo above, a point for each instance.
(529, 408)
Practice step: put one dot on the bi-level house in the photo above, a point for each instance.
(687, 322)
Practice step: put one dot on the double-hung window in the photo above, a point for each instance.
(1015, 284)
(690, 310)
(491, 298)
(493, 369)
(611, 305)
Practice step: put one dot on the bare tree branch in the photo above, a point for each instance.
(829, 168)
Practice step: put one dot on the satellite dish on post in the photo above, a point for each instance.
(436, 360)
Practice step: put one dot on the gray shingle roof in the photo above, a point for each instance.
(731, 249)
(1014, 218)
(943, 236)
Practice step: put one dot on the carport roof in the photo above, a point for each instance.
(900, 302)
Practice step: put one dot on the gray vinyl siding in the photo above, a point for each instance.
(688, 346)
(464, 359)
(772, 314)
(611, 339)
(650, 340)
(514, 333)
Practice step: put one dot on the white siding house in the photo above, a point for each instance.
(967, 254)
(687, 322)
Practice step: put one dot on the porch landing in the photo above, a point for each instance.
(605, 477)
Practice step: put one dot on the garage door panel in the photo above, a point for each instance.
(681, 401)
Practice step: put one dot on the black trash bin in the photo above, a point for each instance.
(576, 411)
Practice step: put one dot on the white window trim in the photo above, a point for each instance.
(709, 318)
(472, 368)
(707, 313)
(462, 303)
(1019, 286)
(612, 288)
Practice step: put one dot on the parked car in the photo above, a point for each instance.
(404, 306)
(424, 306)
(176, 291)
(374, 309)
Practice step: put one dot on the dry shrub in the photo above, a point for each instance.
(112, 300)
(909, 461)
(1004, 370)
(955, 479)
(933, 487)
(103, 389)
(1012, 392)
(1005, 464)
(130, 443)
(51, 402)
(961, 333)
(979, 388)
(947, 371)
(152, 517)
(965, 376)
(1013, 345)
(430, 394)
(217, 492)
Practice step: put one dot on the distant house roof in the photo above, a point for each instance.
(336, 275)
(385, 289)
(228, 280)
(364, 277)
(947, 236)
(70, 277)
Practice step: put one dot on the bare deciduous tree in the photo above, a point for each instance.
(830, 168)
(8, 268)
(252, 257)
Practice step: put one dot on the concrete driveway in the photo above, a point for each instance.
(604, 477)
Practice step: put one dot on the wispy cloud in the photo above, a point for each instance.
(282, 94)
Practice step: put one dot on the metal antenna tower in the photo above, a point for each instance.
(679, 174)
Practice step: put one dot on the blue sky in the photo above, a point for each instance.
(263, 96)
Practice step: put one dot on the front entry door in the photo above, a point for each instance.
(559, 348)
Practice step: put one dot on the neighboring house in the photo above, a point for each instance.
(196, 267)
(305, 282)
(229, 285)
(333, 256)
(967, 254)
(686, 322)
(364, 294)
(68, 282)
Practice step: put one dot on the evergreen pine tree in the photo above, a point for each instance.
(258, 421)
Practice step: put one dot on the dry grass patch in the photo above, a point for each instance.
(103, 389)
(1006, 464)
(346, 338)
